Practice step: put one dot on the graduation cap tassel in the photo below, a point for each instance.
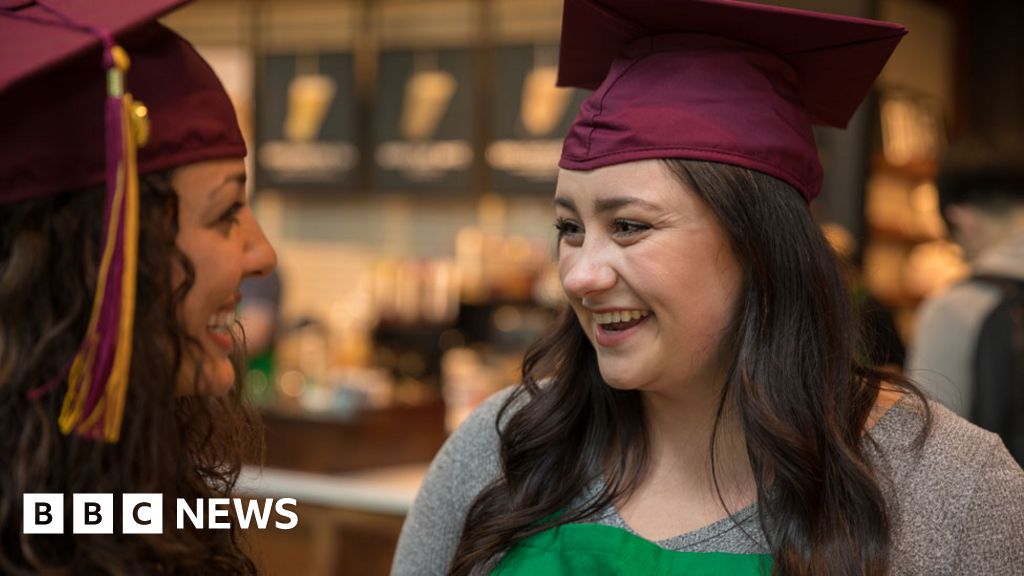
(98, 378)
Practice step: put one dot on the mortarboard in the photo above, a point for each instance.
(715, 80)
(53, 85)
(76, 107)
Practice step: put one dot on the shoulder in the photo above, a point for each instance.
(962, 304)
(477, 437)
(470, 455)
(952, 449)
(941, 356)
(487, 413)
(465, 465)
(959, 485)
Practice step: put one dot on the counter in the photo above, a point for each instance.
(386, 490)
(348, 522)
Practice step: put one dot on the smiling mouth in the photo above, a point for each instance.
(221, 322)
(620, 320)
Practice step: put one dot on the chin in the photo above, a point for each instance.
(219, 379)
(619, 381)
(621, 386)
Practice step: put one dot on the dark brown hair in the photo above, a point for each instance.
(181, 447)
(794, 382)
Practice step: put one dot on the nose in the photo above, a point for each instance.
(586, 271)
(259, 257)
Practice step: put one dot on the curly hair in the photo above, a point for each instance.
(820, 500)
(178, 446)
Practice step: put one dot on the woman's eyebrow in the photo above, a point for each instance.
(566, 203)
(602, 205)
(238, 177)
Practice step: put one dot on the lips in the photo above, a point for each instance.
(617, 326)
(223, 339)
(219, 326)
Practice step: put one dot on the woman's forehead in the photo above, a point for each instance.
(644, 183)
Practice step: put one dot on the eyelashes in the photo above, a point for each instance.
(567, 227)
(230, 216)
(620, 228)
(629, 227)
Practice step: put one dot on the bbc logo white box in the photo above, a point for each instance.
(93, 514)
(43, 513)
(142, 514)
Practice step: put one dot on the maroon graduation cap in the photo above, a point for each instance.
(93, 92)
(53, 88)
(716, 80)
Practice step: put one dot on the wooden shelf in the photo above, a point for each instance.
(895, 234)
(900, 301)
(923, 169)
(373, 438)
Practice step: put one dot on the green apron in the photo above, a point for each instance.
(598, 550)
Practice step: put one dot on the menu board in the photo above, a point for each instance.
(306, 130)
(530, 117)
(423, 120)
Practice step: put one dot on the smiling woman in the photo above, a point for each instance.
(635, 243)
(701, 407)
(118, 354)
(224, 244)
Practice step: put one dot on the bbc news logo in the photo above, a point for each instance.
(144, 514)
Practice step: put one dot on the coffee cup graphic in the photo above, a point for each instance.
(543, 103)
(427, 95)
(309, 99)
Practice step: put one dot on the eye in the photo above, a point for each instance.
(230, 216)
(625, 228)
(569, 231)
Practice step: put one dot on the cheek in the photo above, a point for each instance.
(583, 318)
(193, 310)
(565, 261)
(191, 306)
(179, 277)
(718, 294)
(699, 286)
(215, 278)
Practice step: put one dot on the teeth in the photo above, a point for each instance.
(619, 316)
(222, 321)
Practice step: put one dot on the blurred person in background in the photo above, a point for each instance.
(968, 351)
(702, 407)
(124, 236)
(259, 315)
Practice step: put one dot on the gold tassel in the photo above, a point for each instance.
(124, 219)
(117, 386)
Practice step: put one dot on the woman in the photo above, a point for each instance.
(118, 361)
(700, 408)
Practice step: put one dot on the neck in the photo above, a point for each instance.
(680, 432)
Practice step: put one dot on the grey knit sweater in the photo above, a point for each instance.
(957, 504)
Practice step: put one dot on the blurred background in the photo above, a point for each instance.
(403, 157)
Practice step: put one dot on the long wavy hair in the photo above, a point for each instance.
(179, 446)
(794, 382)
